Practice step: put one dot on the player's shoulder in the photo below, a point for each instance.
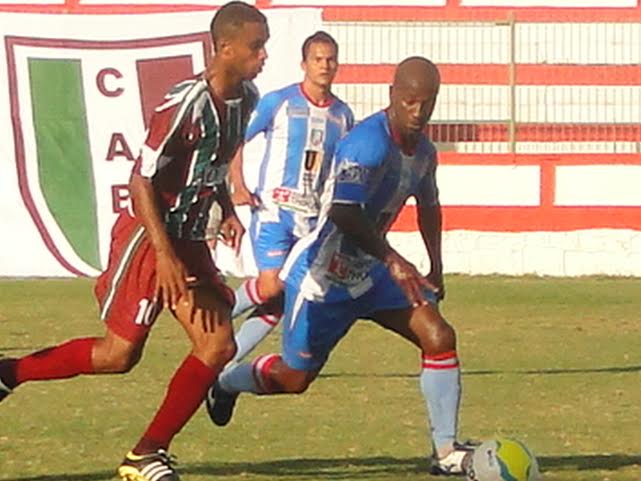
(278, 97)
(181, 91)
(368, 141)
(341, 107)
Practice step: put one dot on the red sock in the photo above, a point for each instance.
(185, 393)
(60, 362)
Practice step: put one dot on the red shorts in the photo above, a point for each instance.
(126, 289)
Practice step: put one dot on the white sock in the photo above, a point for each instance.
(252, 331)
(441, 388)
(247, 377)
(247, 296)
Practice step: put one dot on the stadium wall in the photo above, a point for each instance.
(538, 121)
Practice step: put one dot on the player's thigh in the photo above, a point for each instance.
(311, 330)
(125, 290)
(205, 315)
(423, 326)
(205, 311)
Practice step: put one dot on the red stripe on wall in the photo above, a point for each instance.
(454, 12)
(526, 219)
(455, 158)
(499, 74)
(547, 216)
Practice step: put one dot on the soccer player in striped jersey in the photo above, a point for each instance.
(159, 256)
(345, 269)
(302, 124)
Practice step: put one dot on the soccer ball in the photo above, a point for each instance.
(503, 459)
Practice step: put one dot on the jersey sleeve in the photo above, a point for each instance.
(357, 157)
(263, 117)
(427, 191)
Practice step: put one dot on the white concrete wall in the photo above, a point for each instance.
(577, 253)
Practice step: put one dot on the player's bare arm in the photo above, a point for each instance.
(231, 229)
(354, 223)
(171, 273)
(240, 194)
(430, 226)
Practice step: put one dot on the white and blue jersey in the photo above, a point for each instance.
(300, 140)
(329, 282)
(369, 169)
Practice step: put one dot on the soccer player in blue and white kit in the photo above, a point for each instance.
(345, 269)
(302, 124)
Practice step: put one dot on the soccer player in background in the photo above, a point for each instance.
(345, 269)
(302, 124)
(158, 255)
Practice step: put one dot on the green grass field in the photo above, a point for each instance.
(555, 363)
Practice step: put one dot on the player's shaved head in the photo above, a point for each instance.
(230, 18)
(413, 95)
(415, 72)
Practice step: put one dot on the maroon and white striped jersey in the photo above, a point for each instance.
(190, 141)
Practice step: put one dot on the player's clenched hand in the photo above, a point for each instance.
(232, 231)
(436, 279)
(242, 196)
(408, 278)
(171, 277)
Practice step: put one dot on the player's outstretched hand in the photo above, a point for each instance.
(436, 279)
(231, 232)
(171, 278)
(408, 278)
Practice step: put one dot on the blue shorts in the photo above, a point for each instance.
(311, 329)
(272, 241)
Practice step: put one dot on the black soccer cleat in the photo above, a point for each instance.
(156, 466)
(5, 390)
(456, 463)
(220, 405)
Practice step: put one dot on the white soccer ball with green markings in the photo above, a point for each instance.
(503, 459)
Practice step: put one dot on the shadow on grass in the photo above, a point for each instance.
(489, 372)
(382, 467)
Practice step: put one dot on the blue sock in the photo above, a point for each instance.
(441, 388)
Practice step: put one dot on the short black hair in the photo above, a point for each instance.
(319, 37)
(231, 17)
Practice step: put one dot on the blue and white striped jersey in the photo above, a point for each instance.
(300, 141)
(369, 169)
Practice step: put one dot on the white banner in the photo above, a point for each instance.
(110, 67)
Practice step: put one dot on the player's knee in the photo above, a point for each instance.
(120, 362)
(116, 358)
(216, 355)
(297, 385)
(440, 337)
